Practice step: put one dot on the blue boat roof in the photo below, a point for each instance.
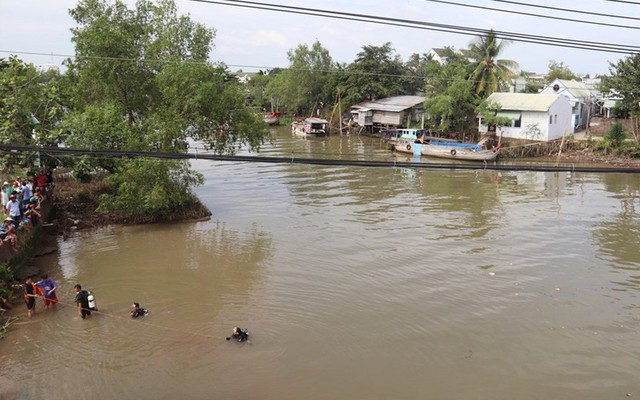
(458, 145)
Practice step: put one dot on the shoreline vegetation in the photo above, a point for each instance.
(75, 205)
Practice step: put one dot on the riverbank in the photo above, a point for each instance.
(75, 205)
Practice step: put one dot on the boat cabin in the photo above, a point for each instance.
(316, 126)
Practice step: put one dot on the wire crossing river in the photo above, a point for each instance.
(354, 283)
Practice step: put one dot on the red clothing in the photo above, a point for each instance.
(41, 180)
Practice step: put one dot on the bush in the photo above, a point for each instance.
(6, 280)
(616, 135)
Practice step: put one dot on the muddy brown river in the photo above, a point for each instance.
(354, 283)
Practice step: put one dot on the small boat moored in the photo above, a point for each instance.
(311, 126)
(272, 118)
(448, 149)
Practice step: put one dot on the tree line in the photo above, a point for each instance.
(142, 80)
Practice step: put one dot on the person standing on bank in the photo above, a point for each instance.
(30, 297)
(82, 300)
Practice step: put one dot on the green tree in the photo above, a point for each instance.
(558, 70)
(624, 80)
(375, 73)
(141, 80)
(306, 84)
(415, 68)
(451, 99)
(31, 107)
(489, 112)
(490, 74)
(453, 109)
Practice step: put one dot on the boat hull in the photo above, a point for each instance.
(453, 153)
(457, 151)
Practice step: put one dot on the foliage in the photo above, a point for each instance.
(531, 88)
(625, 81)
(455, 108)
(532, 131)
(31, 107)
(415, 70)
(375, 73)
(141, 81)
(306, 84)
(616, 134)
(490, 74)
(6, 279)
(257, 94)
(149, 186)
(557, 70)
(488, 110)
(451, 101)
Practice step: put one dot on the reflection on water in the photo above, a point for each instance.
(372, 283)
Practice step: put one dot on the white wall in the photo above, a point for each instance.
(564, 125)
(535, 124)
(530, 119)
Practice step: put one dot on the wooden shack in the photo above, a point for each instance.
(389, 113)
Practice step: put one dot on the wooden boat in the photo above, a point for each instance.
(311, 126)
(272, 118)
(448, 149)
(460, 151)
(391, 136)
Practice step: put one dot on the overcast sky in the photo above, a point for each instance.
(247, 37)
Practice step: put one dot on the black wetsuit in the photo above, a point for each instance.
(82, 299)
(140, 312)
(28, 298)
(241, 335)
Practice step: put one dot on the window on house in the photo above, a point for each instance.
(555, 118)
(550, 119)
(517, 122)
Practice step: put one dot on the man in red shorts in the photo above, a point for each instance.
(48, 287)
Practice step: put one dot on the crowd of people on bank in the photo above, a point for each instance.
(21, 203)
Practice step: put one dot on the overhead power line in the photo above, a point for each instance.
(579, 21)
(457, 29)
(314, 161)
(635, 3)
(581, 12)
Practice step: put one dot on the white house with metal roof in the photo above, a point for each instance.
(389, 112)
(579, 96)
(541, 117)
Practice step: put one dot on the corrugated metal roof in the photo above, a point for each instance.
(578, 89)
(394, 104)
(524, 101)
(316, 121)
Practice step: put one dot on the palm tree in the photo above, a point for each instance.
(490, 74)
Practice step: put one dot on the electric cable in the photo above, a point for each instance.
(567, 10)
(535, 15)
(457, 29)
(317, 161)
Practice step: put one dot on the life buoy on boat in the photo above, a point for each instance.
(453, 152)
(408, 147)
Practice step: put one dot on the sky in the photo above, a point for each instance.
(248, 38)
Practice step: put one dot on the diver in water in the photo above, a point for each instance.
(137, 311)
(241, 335)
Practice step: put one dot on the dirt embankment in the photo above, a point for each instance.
(593, 157)
(75, 207)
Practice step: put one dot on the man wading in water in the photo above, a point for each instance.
(82, 300)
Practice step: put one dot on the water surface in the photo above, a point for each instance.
(355, 283)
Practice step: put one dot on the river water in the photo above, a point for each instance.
(354, 283)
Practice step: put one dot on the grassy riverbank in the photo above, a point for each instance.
(75, 205)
